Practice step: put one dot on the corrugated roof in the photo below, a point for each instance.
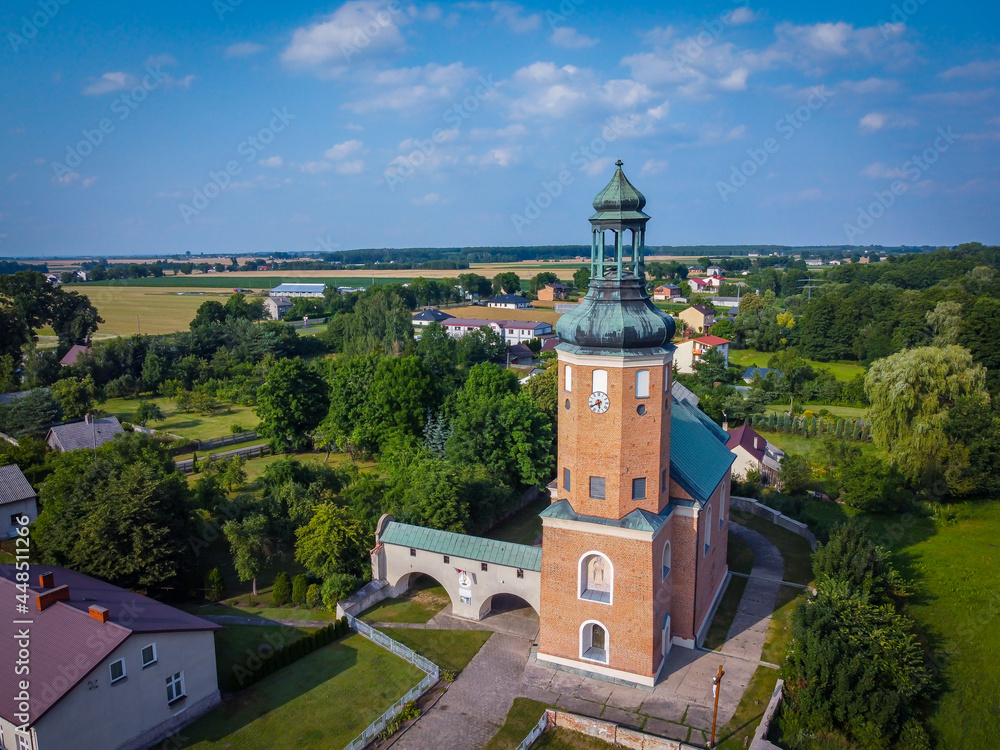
(699, 459)
(75, 352)
(13, 486)
(751, 441)
(298, 288)
(93, 434)
(464, 546)
(65, 634)
(637, 520)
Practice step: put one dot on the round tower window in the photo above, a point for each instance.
(641, 409)
(567, 403)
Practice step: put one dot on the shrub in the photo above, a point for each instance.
(794, 473)
(851, 561)
(299, 587)
(215, 586)
(313, 596)
(281, 594)
(336, 587)
(869, 483)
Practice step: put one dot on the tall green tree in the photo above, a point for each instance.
(507, 282)
(333, 542)
(76, 396)
(291, 403)
(251, 545)
(539, 280)
(581, 278)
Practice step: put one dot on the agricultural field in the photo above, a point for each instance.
(131, 309)
(754, 358)
(477, 312)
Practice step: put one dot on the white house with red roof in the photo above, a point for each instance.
(692, 350)
(752, 451)
(513, 331)
(705, 285)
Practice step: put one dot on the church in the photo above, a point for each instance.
(633, 555)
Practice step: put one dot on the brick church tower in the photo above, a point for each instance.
(634, 543)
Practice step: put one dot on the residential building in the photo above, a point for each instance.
(90, 433)
(692, 350)
(698, 318)
(75, 352)
(552, 292)
(110, 669)
(752, 451)
(17, 501)
(298, 290)
(698, 285)
(715, 271)
(509, 302)
(430, 315)
(513, 331)
(276, 307)
(665, 292)
(520, 354)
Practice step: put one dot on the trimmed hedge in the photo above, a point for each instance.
(283, 657)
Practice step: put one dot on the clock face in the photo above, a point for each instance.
(599, 402)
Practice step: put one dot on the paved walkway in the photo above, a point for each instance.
(746, 635)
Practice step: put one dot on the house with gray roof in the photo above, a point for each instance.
(18, 501)
(90, 433)
(298, 290)
(109, 668)
(509, 302)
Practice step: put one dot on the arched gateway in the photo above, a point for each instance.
(471, 569)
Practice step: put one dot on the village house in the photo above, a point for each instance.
(430, 315)
(509, 302)
(75, 352)
(17, 501)
(692, 350)
(513, 331)
(90, 433)
(276, 307)
(554, 291)
(665, 292)
(752, 451)
(698, 318)
(109, 668)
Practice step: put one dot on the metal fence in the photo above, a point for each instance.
(535, 733)
(425, 665)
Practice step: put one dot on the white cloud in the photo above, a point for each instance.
(271, 161)
(598, 166)
(659, 35)
(567, 36)
(875, 121)
(977, 70)
(739, 16)
(819, 47)
(343, 150)
(244, 49)
(655, 166)
(68, 178)
(411, 88)
(351, 167)
(514, 130)
(316, 167)
(88, 181)
(660, 112)
(155, 60)
(502, 156)
(184, 83)
(109, 82)
(543, 89)
(879, 171)
(511, 14)
(357, 30)
(956, 98)
(430, 199)
(868, 86)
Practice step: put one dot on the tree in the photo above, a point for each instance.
(544, 389)
(153, 371)
(281, 592)
(291, 403)
(480, 345)
(794, 473)
(438, 349)
(215, 586)
(208, 313)
(334, 541)
(507, 282)
(868, 483)
(381, 322)
(539, 280)
(147, 412)
(299, 587)
(432, 494)
(794, 372)
(911, 394)
(474, 284)
(711, 367)
(851, 559)
(581, 278)
(946, 322)
(121, 513)
(75, 396)
(251, 546)
(314, 596)
(724, 328)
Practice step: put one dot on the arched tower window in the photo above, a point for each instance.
(596, 578)
(642, 384)
(600, 381)
(667, 559)
(569, 379)
(594, 642)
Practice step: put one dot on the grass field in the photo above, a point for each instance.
(424, 600)
(237, 644)
(449, 649)
(322, 701)
(159, 310)
(753, 358)
(265, 610)
(779, 632)
(189, 425)
(846, 412)
(477, 312)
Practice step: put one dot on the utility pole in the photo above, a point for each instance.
(137, 328)
(716, 687)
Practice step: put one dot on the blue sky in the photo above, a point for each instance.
(223, 126)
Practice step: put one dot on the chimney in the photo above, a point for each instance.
(58, 594)
(755, 443)
(46, 580)
(725, 422)
(88, 419)
(99, 613)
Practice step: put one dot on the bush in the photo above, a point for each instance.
(215, 586)
(313, 596)
(299, 587)
(281, 594)
(794, 473)
(869, 483)
(851, 561)
(336, 587)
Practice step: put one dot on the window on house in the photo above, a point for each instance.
(413, 552)
(117, 671)
(447, 559)
(639, 488)
(642, 384)
(23, 743)
(569, 379)
(663, 480)
(520, 573)
(566, 477)
(594, 642)
(596, 575)
(597, 488)
(484, 567)
(149, 655)
(175, 687)
(708, 528)
(600, 381)
(667, 560)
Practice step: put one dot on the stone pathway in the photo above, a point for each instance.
(745, 639)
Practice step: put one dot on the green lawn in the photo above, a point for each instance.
(521, 719)
(237, 647)
(424, 600)
(524, 527)
(726, 613)
(739, 556)
(244, 609)
(753, 358)
(795, 549)
(449, 649)
(779, 632)
(737, 734)
(190, 425)
(323, 701)
(845, 412)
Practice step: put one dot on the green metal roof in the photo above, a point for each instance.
(699, 458)
(461, 545)
(619, 200)
(637, 520)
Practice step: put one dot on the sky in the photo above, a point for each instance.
(235, 126)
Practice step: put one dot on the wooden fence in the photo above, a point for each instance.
(254, 451)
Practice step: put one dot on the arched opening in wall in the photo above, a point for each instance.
(421, 597)
(596, 578)
(595, 643)
(510, 613)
